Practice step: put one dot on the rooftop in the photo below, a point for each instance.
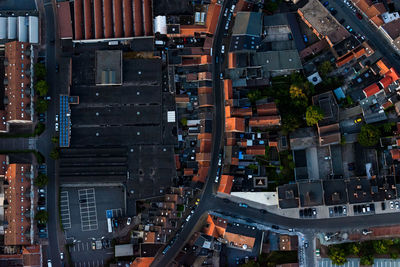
(108, 67)
(247, 23)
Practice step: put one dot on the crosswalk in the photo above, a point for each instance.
(325, 262)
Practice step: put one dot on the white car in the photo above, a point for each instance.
(216, 179)
(128, 222)
(56, 126)
(56, 117)
(391, 205)
(226, 12)
(61, 256)
(188, 217)
(223, 49)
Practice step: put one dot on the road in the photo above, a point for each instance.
(44, 144)
(373, 35)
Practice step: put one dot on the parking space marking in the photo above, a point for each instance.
(64, 210)
(87, 205)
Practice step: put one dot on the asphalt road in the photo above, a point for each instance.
(44, 144)
(374, 36)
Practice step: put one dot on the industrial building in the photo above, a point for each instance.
(23, 28)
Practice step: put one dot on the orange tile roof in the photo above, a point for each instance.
(228, 89)
(395, 154)
(225, 185)
(242, 112)
(18, 87)
(228, 111)
(265, 121)
(383, 67)
(204, 136)
(359, 52)
(238, 240)
(206, 59)
(346, 59)
(371, 90)
(149, 237)
(203, 156)
(255, 150)
(234, 125)
(273, 143)
(201, 175)
(19, 205)
(177, 162)
(387, 104)
(205, 146)
(142, 262)
(182, 99)
(377, 20)
(31, 256)
(215, 226)
(386, 81)
(235, 161)
(231, 60)
(393, 74)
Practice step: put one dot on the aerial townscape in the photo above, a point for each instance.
(180, 133)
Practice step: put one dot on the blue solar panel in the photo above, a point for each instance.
(64, 121)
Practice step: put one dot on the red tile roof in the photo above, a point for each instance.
(142, 262)
(64, 22)
(78, 19)
(98, 19)
(88, 18)
(148, 18)
(228, 89)
(19, 204)
(18, 87)
(118, 24)
(242, 112)
(215, 226)
(137, 16)
(31, 256)
(108, 18)
(265, 121)
(234, 125)
(128, 23)
(267, 109)
(255, 150)
(383, 66)
(225, 185)
(371, 90)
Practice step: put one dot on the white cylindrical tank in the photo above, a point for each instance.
(33, 29)
(160, 24)
(12, 28)
(3, 28)
(22, 29)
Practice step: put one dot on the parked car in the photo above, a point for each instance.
(243, 205)
(359, 16)
(93, 245)
(223, 49)
(56, 117)
(383, 205)
(128, 222)
(57, 68)
(82, 200)
(42, 120)
(351, 166)
(326, 3)
(42, 115)
(305, 38)
(41, 190)
(61, 256)
(276, 227)
(342, 21)
(391, 205)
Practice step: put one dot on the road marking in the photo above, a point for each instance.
(88, 211)
(64, 210)
(87, 246)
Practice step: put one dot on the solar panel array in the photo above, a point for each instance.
(64, 121)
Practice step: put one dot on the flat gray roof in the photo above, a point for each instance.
(108, 67)
(247, 23)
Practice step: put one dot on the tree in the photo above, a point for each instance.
(39, 128)
(41, 180)
(55, 139)
(41, 105)
(254, 95)
(42, 88)
(40, 71)
(369, 135)
(367, 260)
(313, 115)
(337, 255)
(55, 154)
(42, 216)
(325, 68)
(184, 121)
(290, 123)
(382, 246)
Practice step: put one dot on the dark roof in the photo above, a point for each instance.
(288, 196)
(359, 190)
(311, 194)
(247, 23)
(149, 249)
(335, 192)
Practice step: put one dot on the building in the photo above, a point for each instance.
(18, 212)
(18, 83)
(105, 19)
(19, 26)
(246, 33)
(321, 21)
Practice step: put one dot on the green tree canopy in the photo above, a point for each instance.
(325, 68)
(39, 128)
(369, 135)
(41, 180)
(42, 88)
(41, 105)
(55, 154)
(367, 260)
(40, 71)
(254, 95)
(42, 216)
(313, 115)
(337, 255)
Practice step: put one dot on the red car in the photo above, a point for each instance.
(359, 16)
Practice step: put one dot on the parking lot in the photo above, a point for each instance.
(87, 206)
(83, 214)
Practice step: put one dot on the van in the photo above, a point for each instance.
(159, 42)
(113, 43)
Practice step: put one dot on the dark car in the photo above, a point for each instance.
(42, 120)
(301, 213)
(342, 21)
(383, 205)
(263, 211)
(83, 200)
(57, 68)
(305, 38)
(351, 166)
(275, 227)
(42, 115)
(326, 3)
(359, 16)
